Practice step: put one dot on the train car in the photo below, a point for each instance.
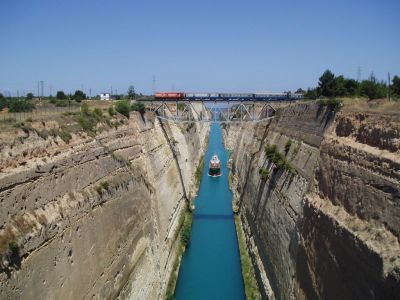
(197, 95)
(169, 95)
(237, 96)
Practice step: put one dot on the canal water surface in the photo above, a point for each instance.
(210, 267)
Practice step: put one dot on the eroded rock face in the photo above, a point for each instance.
(329, 229)
(95, 218)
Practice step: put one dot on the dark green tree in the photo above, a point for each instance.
(395, 88)
(79, 96)
(327, 84)
(339, 87)
(131, 92)
(352, 87)
(300, 91)
(3, 102)
(29, 96)
(373, 89)
(311, 94)
(61, 95)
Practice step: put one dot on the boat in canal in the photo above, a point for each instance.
(215, 166)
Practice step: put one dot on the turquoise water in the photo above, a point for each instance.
(210, 267)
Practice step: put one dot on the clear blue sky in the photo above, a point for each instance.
(193, 45)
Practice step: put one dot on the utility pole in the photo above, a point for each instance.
(90, 93)
(42, 87)
(359, 73)
(38, 93)
(388, 86)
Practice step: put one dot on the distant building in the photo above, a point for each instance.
(105, 96)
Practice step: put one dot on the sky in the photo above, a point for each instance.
(193, 46)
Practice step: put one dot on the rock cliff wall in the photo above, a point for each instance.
(95, 218)
(325, 225)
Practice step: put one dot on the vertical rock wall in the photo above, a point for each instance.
(95, 218)
(307, 229)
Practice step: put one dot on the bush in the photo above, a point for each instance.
(13, 247)
(270, 150)
(61, 103)
(288, 145)
(138, 106)
(122, 106)
(111, 111)
(280, 162)
(97, 113)
(20, 106)
(332, 104)
(65, 136)
(87, 123)
(264, 173)
(104, 185)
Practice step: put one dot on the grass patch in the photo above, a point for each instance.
(65, 136)
(249, 278)
(185, 225)
(88, 120)
(199, 171)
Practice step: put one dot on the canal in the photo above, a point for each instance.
(210, 267)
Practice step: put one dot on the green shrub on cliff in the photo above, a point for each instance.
(264, 173)
(123, 108)
(279, 160)
(288, 145)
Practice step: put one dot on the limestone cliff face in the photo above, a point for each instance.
(95, 218)
(330, 228)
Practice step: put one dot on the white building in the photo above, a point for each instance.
(105, 96)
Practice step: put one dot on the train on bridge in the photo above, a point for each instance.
(227, 96)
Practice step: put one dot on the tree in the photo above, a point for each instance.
(61, 95)
(327, 84)
(131, 92)
(20, 105)
(122, 106)
(340, 86)
(395, 88)
(79, 96)
(373, 89)
(29, 96)
(300, 91)
(352, 87)
(3, 102)
(311, 94)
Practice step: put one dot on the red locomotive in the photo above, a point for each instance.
(169, 95)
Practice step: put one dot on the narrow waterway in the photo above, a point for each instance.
(210, 267)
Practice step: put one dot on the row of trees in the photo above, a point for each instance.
(331, 86)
